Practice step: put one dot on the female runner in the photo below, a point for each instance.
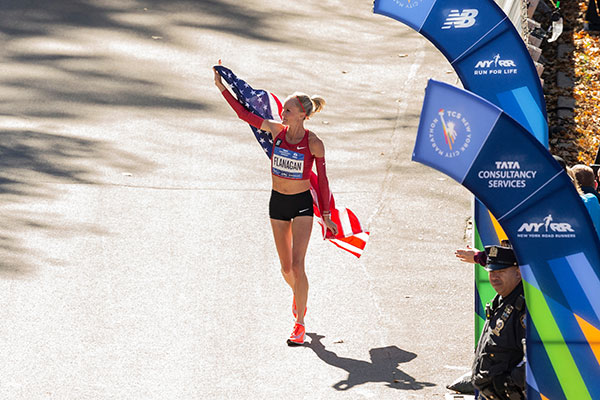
(291, 207)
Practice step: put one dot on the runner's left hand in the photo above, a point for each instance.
(331, 225)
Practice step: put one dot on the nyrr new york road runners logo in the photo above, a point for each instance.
(408, 3)
(449, 133)
(461, 19)
(496, 66)
(547, 229)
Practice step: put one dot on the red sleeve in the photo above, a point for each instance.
(323, 184)
(480, 258)
(241, 112)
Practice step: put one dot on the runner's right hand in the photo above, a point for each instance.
(218, 80)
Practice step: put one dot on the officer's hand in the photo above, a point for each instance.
(466, 255)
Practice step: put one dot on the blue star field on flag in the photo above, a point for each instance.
(257, 101)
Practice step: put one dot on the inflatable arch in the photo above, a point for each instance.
(491, 60)
(489, 153)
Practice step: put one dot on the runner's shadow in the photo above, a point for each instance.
(382, 368)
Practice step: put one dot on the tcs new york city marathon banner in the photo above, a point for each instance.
(491, 60)
(513, 174)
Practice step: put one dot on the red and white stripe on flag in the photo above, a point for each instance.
(275, 104)
(351, 237)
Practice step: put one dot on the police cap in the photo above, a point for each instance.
(500, 257)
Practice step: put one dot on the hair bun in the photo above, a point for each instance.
(319, 103)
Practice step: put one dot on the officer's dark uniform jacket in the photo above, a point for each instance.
(498, 369)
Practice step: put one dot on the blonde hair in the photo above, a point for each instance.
(309, 104)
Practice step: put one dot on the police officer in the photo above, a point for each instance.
(499, 366)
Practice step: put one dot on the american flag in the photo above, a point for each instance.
(351, 237)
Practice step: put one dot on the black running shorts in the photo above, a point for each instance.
(285, 207)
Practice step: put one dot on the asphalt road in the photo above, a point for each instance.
(136, 257)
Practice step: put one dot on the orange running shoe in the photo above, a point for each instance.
(295, 310)
(297, 336)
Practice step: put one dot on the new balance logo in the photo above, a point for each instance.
(464, 19)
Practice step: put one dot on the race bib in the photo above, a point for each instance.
(287, 163)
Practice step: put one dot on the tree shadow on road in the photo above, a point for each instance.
(37, 17)
(68, 54)
(230, 17)
(71, 63)
(32, 163)
(383, 366)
